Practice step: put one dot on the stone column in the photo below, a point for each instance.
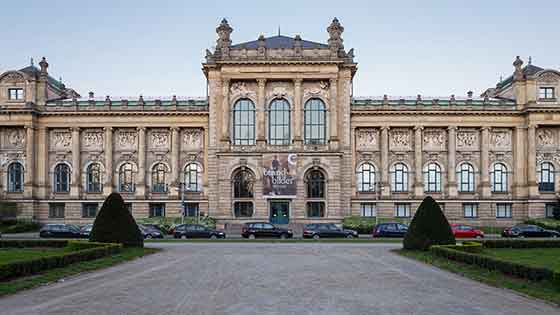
(76, 182)
(174, 184)
(333, 112)
(297, 112)
(484, 162)
(141, 176)
(384, 185)
(226, 110)
(41, 161)
(532, 162)
(29, 178)
(451, 149)
(418, 182)
(108, 187)
(261, 109)
(520, 189)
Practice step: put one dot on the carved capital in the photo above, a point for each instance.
(142, 129)
(419, 128)
(452, 128)
(108, 129)
(298, 82)
(75, 129)
(261, 83)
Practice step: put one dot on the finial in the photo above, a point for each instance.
(517, 62)
(518, 73)
(501, 79)
(60, 80)
(90, 94)
(44, 65)
(278, 30)
(470, 94)
(530, 61)
(31, 61)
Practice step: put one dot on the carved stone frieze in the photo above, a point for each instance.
(316, 89)
(159, 139)
(193, 138)
(467, 139)
(435, 139)
(279, 90)
(242, 89)
(549, 77)
(15, 137)
(92, 139)
(400, 139)
(545, 137)
(500, 157)
(367, 139)
(500, 139)
(12, 77)
(126, 138)
(61, 140)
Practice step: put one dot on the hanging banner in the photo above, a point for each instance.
(279, 175)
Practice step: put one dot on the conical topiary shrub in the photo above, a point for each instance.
(114, 224)
(428, 227)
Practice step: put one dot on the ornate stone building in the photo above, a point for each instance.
(281, 138)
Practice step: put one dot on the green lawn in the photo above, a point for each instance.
(545, 290)
(48, 276)
(536, 257)
(8, 255)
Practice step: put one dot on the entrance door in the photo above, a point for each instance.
(279, 212)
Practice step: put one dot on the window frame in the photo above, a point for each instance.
(315, 209)
(155, 208)
(315, 122)
(61, 180)
(473, 211)
(547, 93)
(279, 118)
(18, 96)
(432, 178)
(16, 176)
(159, 178)
(57, 210)
(466, 170)
(402, 169)
(549, 210)
(405, 208)
(188, 181)
(94, 182)
(546, 177)
(87, 211)
(369, 173)
(368, 209)
(506, 211)
(127, 178)
(244, 107)
(503, 176)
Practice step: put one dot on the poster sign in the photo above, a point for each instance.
(279, 175)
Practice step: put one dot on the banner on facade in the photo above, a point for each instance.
(279, 175)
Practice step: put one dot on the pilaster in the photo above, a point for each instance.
(384, 184)
(297, 113)
(261, 109)
(41, 161)
(108, 186)
(174, 184)
(520, 189)
(532, 162)
(484, 162)
(418, 183)
(29, 177)
(451, 164)
(141, 181)
(76, 167)
(333, 112)
(225, 112)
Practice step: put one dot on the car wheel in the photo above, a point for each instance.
(148, 237)
(283, 236)
(478, 236)
(316, 237)
(349, 236)
(251, 236)
(183, 236)
(213, 237)
(554, 236)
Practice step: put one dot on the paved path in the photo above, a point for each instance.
(251, 278)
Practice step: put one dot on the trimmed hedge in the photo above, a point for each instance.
(19, 226)
(115, 224)
(363, 225)
(32, 243)
(33, 266)
(428, 227)
(522, 243)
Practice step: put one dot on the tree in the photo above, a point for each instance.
(556, 210)
(428, 227)
(114, 224)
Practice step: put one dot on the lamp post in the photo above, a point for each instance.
(182, 185)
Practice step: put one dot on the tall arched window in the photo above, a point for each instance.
(499, 178)
(159, 175)
(193, 177)
(243, 183)
(279, 122)
(465, 176)
(432, 178)
(244, 122)
(15, 177)
(61, 178)
(93, 178)
(315, 122)
(399, 178)
(365, 177)
(315, 183)
(546, 177)
(126, 178)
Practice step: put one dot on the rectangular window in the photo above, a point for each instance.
(56, 210)
(157, 210)
(546, 93)
(470, 210)
(549, 210)
(503, 210)
(15, 94)
(315, 209)
(402, 210)
(89, 210)
(191, 210)
(368, 209)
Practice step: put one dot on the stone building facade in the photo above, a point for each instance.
(281, 138)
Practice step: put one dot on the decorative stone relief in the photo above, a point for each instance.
(316, 89)
(192, 138)
(127, 139)
(500, 156)
(548, 156)
(434, 139)
(13, 77)
(242, 89)
(93, 139)
(159, 139)
(399, 157)
(15, 137)
(367, 139)
(500, 139)
(467, 139)
(549, 77)
(545, 137)
(278, 90)
(399, 139)
(61, 140)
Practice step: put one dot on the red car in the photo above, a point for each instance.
(465, 231)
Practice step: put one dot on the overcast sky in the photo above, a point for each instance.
(433, 48)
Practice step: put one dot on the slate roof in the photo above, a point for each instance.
(527, 70)
(32, 70)
(279, 41)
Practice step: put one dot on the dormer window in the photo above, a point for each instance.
(546, 93)
(15, 94)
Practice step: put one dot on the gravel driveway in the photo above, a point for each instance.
(254, 278)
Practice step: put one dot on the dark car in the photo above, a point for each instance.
(525, 230)
(327, 230)
(264, 229)
(85, 231)
(196, 231)
(60, 230)
(149, 232)
(390, 229)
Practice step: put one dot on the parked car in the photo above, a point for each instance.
(149, 232)
(60, 230)
(327, 230)
(390, 229)
(196, 231)
(85, 231)
(466, 231)
(154, 227)
(264, 229)
(526, 230)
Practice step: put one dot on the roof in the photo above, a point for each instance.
(278, 41)
(527, 70)
(32, 70)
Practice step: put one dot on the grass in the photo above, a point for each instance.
(49, 276)
(274, 240)
(8, 255)
(536, 257)
(545, 290)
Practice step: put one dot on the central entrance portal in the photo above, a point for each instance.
(279, 212)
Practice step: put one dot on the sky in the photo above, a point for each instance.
(128, 48)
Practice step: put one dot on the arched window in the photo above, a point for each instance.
(244, 122)
(15, 177)
(399, 178)
(432, 178)
(243, 183)
(315, 192)
(365, 177)
(126, 178)
(193, 177)
(159, 175)
(546, 177)
(61, 178)
(465, 176)
(93, 178)
(499, 178)
(279, 122)
(315, 122)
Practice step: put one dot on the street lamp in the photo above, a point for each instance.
(183, 188)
